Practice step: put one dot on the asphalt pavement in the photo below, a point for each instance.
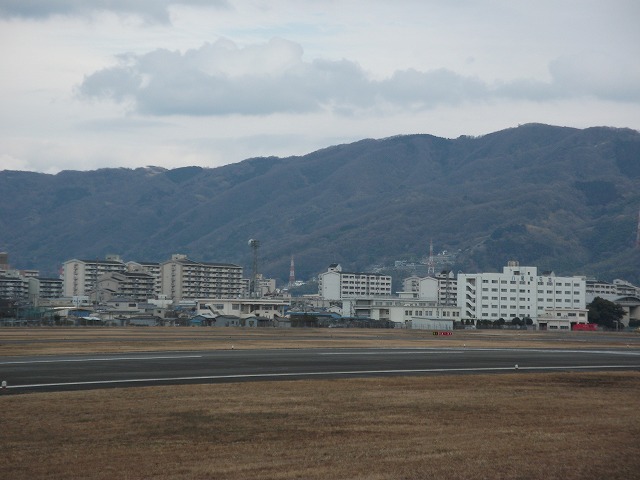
(75, 372)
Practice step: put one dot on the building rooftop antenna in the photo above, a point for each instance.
(254, 244)
(292, 273)
(431, 264)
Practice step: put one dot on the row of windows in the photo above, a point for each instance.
(429, 313)
(549, 300)
(522, 290)
(528, 299)
(540, 282)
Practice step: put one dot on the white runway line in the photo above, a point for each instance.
(315, 374)
(412, 352)
(109, 359)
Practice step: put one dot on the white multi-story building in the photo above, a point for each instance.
(521, 292)
(185, 279)
(441, 287)
(334, 284)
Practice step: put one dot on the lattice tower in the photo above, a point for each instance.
(431, 264)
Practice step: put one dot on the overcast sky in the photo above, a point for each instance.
(131, 83)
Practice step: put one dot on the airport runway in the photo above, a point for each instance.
(54, 373)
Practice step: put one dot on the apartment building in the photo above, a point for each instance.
(13, 286)
(80, 277)
(185, 279)
(138, 286)
(611, 291)
(334, 284)
(152, 268)
(441, 287)
(519, 292)
(40, 288)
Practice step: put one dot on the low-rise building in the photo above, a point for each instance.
(400, 309)
(242, 307)
(562, 318)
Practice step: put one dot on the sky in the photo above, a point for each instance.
(133, 83)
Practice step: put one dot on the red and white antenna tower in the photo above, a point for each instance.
(292, 273)
(431, 264)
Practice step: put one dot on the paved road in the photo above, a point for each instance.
(25, 374)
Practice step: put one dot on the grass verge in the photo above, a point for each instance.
(528, 426)
(50, 341)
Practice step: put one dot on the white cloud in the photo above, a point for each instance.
(222, 79)
(150, 10)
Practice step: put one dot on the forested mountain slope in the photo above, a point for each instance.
(558, 198)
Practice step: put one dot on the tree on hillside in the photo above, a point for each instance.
(605, 313)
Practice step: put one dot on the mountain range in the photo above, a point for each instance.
(558, 198)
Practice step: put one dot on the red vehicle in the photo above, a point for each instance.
(585, 327)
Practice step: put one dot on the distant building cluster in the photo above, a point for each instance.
(178, 278)
(183, 291)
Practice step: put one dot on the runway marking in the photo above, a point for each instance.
(317, 374)
(554, 350)
(412, 352)
(111, 359)
(472, 349)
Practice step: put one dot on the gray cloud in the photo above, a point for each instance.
(221, 79)
(152, 10)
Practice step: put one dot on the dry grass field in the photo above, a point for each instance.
(526, 426)
(45, 341)
(509, 426)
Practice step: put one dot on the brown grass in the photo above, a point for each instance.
(527, 426)
(45, 341)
